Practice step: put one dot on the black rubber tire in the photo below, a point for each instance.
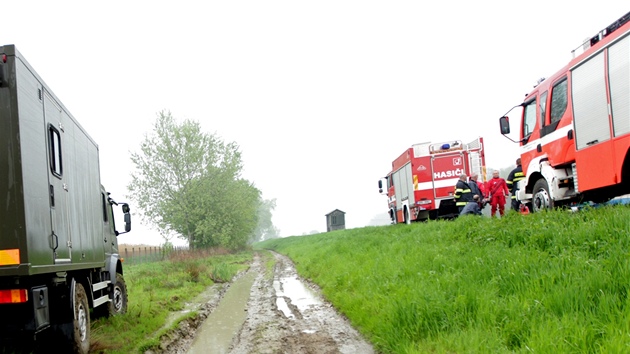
(80, 336)
(118, 306)
(541, 200)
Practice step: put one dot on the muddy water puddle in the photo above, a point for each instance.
(291, 290)
(217, 331)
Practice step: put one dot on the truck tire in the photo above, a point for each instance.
(118, 306)
(541, 199)
(80, 336)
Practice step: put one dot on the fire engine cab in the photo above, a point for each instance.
(421, 184)
(575, 126)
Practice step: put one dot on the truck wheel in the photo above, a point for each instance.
(118, 305)
(392, 215)
(406, 216)
(80, 337)
(541, 199)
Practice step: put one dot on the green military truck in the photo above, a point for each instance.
(59, 260)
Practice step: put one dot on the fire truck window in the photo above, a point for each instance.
(529, 120)
(543, 108)
(558, 101)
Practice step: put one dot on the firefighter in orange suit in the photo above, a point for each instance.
(497, 190)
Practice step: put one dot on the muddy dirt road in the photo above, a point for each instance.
(261, 312)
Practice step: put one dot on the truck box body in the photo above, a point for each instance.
(57, 235)
(50, 214)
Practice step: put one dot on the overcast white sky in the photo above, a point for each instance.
(320, 96)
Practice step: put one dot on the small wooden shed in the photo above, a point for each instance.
(335, 220)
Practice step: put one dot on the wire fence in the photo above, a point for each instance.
(144, 254)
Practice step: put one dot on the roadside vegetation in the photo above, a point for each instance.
(188, 184)
(158, 289)
(546, 282)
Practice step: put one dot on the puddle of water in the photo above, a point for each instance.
(298, 294)
(216, 333)
(281, 304)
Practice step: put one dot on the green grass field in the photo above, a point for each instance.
(552, 282)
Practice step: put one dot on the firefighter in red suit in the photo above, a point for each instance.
(497, 191)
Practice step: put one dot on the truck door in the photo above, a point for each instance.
(109, 234)
(446, 170)
(61, 242)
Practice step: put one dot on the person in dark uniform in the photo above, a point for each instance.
(512, 182)
(463, 193)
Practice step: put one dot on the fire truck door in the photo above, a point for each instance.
(595, 167)
(446, 171)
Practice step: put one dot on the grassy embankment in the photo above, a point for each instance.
(157, 289)
(553, 282)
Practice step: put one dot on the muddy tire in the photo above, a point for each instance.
(80, 336)
(541, 199)
(118, 306)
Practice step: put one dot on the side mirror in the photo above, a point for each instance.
(127, 222)
(125, 208)
(504, 122)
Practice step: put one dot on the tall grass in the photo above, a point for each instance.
(546, 282)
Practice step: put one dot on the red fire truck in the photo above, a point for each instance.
(575, 126)
(422, 182)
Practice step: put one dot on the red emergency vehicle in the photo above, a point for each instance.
(575, 126)
(422, 181)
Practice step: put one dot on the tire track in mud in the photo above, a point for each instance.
(308, 324)
(285, 314)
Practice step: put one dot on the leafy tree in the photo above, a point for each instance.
(265, 229)
(188, 183)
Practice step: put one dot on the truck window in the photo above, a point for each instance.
(529, 119)
(543, 108)
(104, 204)
(558, 100)
(54, 141)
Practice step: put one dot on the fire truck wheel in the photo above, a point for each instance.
(80, 336)
(392, 216)
(541, 199)
(406, 216)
